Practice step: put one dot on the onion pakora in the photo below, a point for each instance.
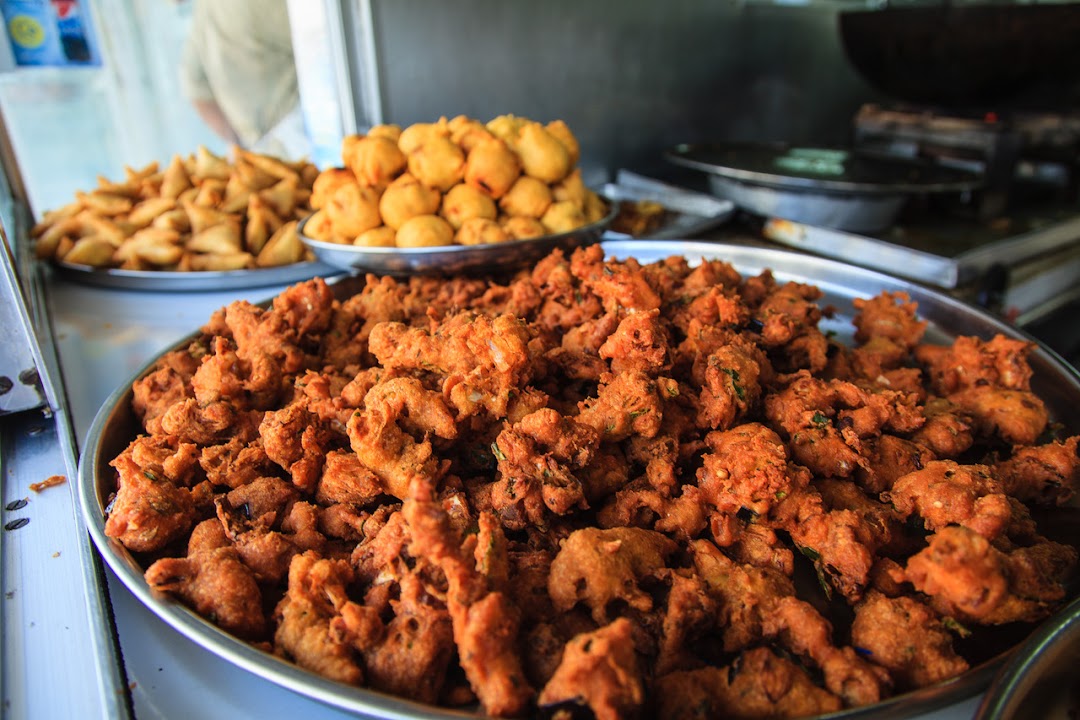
(633, 490)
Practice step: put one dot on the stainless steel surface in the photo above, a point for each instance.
(1042, 678)
(20, 380)
(452, 259)
(58, 658)
(854, 213)
(897, 252)
(820, 169)
(170, 281)
(827, 187)
(113, 427)
(689, 213)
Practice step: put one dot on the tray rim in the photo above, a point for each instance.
(194, 281)
(381, 705)
(682, 154)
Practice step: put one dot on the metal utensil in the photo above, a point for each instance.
(845, 189)
(453, 259)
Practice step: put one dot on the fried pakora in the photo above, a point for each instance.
(597, 486)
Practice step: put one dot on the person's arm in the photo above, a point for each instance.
(215, 119)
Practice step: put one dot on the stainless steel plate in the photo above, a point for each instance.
(115, 426)
(688, 213)
(202, 281)
(838, 188)
(1042, 678)
(452, 259)
(821, 169)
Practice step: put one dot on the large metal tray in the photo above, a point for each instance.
(114, 427)
(201, 281)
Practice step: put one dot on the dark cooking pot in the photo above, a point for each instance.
(977, 55)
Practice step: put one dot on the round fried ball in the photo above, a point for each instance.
(507, 128)
(520, 227)
(407, 197)
(425, 231)
(375, 161)
(353, 209)
(562, 216)
(319, 227)
(438, 163)
(326, 183)
(417, 134)
(542, 155)
(596, 208)
(480, 231)
(572, 189)
(390, 132)
(468, 132)
(381, 236)
(528, 196)
(493, 167)
(561, 131)
(463, 202)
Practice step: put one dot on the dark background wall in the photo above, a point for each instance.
(630, 77)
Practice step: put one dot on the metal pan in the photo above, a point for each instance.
(968, 55)
(1042, 678)
(201, 281)
(840, 188)
(114, 426)
(452, 259)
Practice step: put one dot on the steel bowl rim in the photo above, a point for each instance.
(366, 700)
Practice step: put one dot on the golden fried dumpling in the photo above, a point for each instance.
(208, 165)
(520, 227)
(407, 197)
(353, 208)
(463, 202)
(375, 161)
(493, 167)
(425, 231)
(327, 182)
(562, 217)
(596, 208)
(390, 132)
(542, 155)
(438, 163)
(417, 134)
(319, 227)
(528, 197)
(283, 248)
(507, 128)
(468, 132)
(572, 189)
(175, 180)
(480, 231)
(381, 236)
(562, 133)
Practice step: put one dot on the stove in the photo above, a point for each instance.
(1021, 155)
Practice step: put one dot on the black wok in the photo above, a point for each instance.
(970, 56)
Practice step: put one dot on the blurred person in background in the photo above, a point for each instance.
(238, 71)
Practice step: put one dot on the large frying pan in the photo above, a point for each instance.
(970, 56)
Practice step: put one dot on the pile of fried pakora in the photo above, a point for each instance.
(642, 490)
(454, 182)
(201, 213)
